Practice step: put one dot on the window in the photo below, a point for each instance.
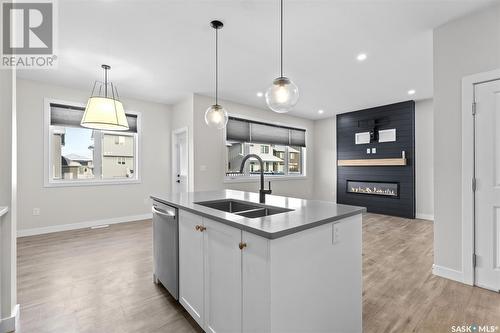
(282, 149)
(79, 155)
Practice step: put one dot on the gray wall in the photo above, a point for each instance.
(424, 159)
(68, 205)
(462, 47)
(7, 196)
(325, 163)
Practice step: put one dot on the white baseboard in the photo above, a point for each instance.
(9, 324)
(81, 225)
(448, 273)
(425, 216)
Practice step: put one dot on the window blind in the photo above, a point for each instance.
(243, 130)
(65, 115)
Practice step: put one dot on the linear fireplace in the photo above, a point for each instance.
(373, 188)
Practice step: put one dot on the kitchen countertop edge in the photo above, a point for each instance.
(260, 232)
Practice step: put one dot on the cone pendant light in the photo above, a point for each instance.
(104, 111)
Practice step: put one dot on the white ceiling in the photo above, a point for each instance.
(163, 50)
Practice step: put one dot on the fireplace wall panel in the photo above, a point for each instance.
(400, 116)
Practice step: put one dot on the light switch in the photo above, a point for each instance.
(374, 150)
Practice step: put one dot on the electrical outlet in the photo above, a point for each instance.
(203, 168)
(374, 150)
(36, 211)
(368, 150)
(336, 234)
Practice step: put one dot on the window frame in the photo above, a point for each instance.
(47, 151)
(247, 177)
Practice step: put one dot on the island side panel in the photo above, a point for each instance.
(316, 280)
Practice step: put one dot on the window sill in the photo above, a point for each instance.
(253, 179)
(91, 183)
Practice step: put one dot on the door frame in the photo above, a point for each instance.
(469, 84)
(173, 159)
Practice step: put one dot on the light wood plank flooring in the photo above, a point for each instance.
(101, 281)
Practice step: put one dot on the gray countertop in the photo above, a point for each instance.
(306, 213)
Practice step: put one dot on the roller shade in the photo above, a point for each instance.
(243, 130)
(65, 115)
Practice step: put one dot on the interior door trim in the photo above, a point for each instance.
(469, 84)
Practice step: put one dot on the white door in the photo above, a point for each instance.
(222, 278)
(191, 265)
(487, 196)
(180, 161)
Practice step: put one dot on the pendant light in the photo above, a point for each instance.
(104, 111)
(216, 115)
(283, 94)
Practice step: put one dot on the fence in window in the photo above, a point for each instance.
(281, 148)
(79, 154)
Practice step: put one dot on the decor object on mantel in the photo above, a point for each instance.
(216, 116)
(104, 112)
(283, 94)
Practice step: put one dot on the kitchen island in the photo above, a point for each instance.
(289, 265)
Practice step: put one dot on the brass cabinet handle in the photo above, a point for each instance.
(200, 228)
(242, 245)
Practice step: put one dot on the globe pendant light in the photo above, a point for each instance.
(216, 115)
(104, 112)
(283, 94)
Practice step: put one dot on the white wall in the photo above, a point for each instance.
(8, 199)
(182, 117)
(69, 205)
(463, 47)
(325, 163)
(424, 159)
(209, 149)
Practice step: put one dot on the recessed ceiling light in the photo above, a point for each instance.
(260, 94)
(321, 111)
(362, 57)
(411, 92)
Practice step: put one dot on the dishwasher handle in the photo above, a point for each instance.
(163, 213)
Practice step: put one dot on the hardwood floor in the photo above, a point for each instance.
(101, 281)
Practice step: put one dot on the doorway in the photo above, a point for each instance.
(180, 160)
(486, 184)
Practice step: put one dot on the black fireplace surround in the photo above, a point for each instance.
(386, 190)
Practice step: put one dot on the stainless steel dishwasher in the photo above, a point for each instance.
(166, 247)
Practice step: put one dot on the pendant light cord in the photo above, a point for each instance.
(281, 36)
(106, 82)
(216, 66)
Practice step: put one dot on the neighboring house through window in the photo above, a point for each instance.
(281, 148)
(79, 155)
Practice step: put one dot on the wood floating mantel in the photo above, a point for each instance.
(373, 162)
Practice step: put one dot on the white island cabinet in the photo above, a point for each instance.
(231, 280)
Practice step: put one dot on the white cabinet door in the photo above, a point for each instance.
(191, 265)
(256, 284)
(222, 278)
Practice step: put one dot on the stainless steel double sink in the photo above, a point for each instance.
(243, 208)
